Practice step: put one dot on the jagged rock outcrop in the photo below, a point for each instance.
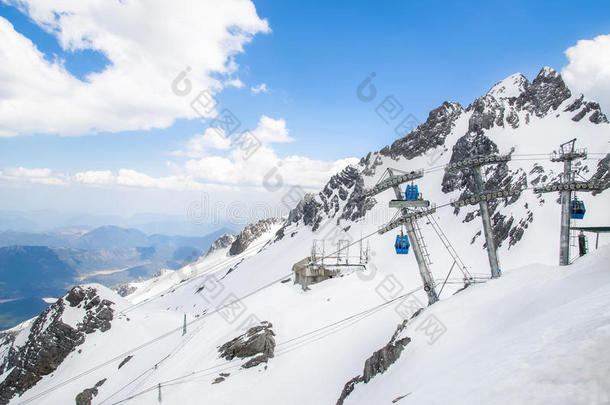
(86, 396)
(379, 362)
(124, 289)
(428, 135)
(257, 343)
(250, 233)
(585, 107)
(50, 340)
(221, 242)
(342, 198)
(603, 171)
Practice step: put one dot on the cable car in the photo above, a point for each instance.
(402, 244)
(412, 193)
(577, 209)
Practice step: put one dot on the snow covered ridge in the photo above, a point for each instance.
(227, 251)
(251, 233)
(39, 349)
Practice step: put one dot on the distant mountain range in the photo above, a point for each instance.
(41, 265)
(44, 221)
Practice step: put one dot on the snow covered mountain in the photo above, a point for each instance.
(233, 327)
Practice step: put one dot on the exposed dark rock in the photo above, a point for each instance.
(257, 342)
(428, 135)
(342, 196)
(400, 397)
(124, 289)
(124, 361)
(86, 396)
(221, 242)
(348, 388)
(51, 340)
(548, 91)
(250, 233)
(379, 361)
(603, 172)
(255, 361)
(75, 296)
(583, 108)
(469, 145)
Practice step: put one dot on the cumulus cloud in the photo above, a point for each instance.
(203, 144)
(588, 70)
(134, 91)
(259, 88)
(263, 167)
(271, 130)
(268, 130)
(36, 176)
(261, 170)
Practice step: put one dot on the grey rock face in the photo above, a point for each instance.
(378, 363)
(221, 242)
(547, 91)
(342, 198)
(86, 396)
(124, 289)
(124, 361)
(428, 135)
(258, 343)
(603, 171)
(51, 340)
(250, 233)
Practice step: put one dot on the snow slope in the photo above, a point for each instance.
(534, 327)
(539, 335)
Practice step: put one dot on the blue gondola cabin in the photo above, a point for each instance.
(412, 193)
(402, 244)
(577, 209)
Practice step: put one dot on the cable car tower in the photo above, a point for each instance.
(567, 184)
(481, 197)
(411, 207)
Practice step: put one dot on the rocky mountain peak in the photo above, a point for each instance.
(252, 232)
(548, 90)
(428, 135)
(51, 337)
(511, 87)
(221, 242)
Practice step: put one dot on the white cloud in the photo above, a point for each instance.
(262, 170)
(201, 145)
(259, 88)
(95, 177)
(37, 176)
(264, 166)
(133, 178)
(588, 70)
(148, 44)
(270, 130)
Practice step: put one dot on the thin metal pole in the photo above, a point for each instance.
(446, 278)
(596, 240)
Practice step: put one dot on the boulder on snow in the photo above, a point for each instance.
(257, 343)
(85, 397)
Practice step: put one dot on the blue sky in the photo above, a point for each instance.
(311, 61)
